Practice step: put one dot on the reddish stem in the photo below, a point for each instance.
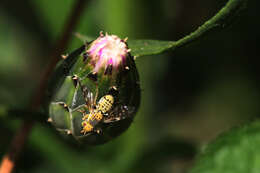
(19, 140)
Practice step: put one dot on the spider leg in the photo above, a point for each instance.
(96, 94)
(85, 116)
(119, 113)
(112, 119)
(94, 77)
(86, 93)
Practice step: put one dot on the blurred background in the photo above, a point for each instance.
(189, 96)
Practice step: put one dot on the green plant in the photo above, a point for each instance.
(211, 161)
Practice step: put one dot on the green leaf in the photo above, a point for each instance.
(237, 151)
(61, 72)
(151, 47)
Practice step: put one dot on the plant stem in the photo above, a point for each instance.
(231, 9)
(152, 47)
(19, 140)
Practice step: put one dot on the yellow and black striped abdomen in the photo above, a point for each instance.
(105, 103)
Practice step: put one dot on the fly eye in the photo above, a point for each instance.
(94, 107)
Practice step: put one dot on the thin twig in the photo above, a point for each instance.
(59, 49)
(22, 134)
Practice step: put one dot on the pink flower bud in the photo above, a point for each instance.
(107, 50)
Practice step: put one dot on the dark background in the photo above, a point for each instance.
(189, 96)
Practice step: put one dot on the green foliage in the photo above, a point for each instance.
(73, 95)
(149, 47)
(153, 47)
(61, 71)
(232, 152)
(236, 151)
